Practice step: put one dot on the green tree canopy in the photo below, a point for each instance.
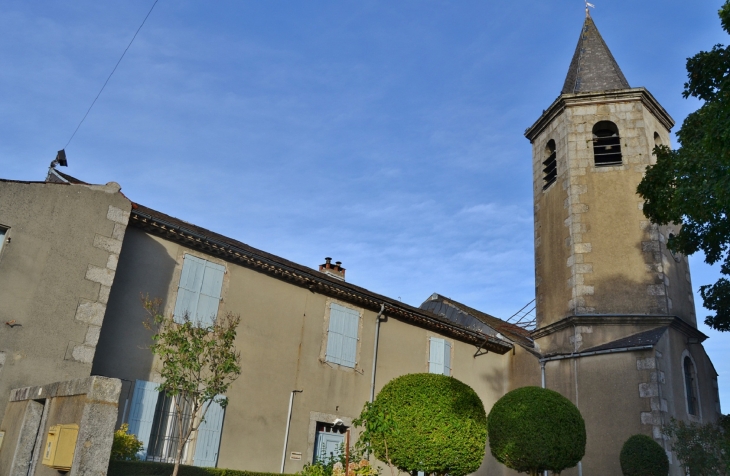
(691, 185)
(426, 422)
(702, 448)
(533, 429)
(642, 456)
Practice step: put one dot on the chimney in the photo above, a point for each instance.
(334, 270)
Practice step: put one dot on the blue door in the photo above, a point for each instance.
(328, 446)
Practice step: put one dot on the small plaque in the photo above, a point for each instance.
(295, 455)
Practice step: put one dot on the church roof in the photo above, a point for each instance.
(593, 67)
(646, 338)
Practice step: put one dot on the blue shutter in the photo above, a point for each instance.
(436, 356)
(199, 292)
(447, 358)
(210, 294)
(342, 335)
(144, 402)
(2, 237)
(209, 437)
(328, 446)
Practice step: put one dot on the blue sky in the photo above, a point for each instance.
(388, 135)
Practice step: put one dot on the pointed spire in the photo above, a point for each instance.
(593, 67)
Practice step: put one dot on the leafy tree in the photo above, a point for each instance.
(642, 456)
(533, 429)
(199, 363)
(691, 185)
(702, 449)
(426, 422)
(125, 446)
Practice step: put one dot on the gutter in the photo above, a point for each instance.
(596, 352)
(375, 351)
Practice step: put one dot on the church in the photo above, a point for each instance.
(616, 330)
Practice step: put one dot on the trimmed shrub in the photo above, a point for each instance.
(426, 422)
(532, 429)
(642, 456)
(149, 468)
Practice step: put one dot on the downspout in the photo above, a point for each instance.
(375, 351)
(288, 425)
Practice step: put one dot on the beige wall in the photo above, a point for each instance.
(596, 253)
(56, 268)
(282, 338)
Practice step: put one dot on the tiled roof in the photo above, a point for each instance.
(646, 338)
(465, 315)
(593, 67)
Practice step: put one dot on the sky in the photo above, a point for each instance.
(387, 135)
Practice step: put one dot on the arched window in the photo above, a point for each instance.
(549, 165)
(690, 377)
(657, 139)
(606, 144)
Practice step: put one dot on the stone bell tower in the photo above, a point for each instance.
(598, 260)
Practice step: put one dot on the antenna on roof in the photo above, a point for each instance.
(60, 159)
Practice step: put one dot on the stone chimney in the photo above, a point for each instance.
(335, 270)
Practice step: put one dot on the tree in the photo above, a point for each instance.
(199, 363)
(426, 422)
(690, 186)
(642, 456)
(702, 449)
(533, 429)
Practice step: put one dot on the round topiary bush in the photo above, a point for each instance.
(426, 422)
(642, 456)
(532, 429)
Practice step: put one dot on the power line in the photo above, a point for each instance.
(110, 74)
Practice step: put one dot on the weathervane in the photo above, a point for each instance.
(589, 5)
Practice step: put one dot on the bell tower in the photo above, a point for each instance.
(602, 271)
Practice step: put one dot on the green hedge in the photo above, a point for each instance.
(642, 456)
(148, 468)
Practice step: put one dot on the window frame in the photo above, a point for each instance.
(448, 356)
(3, 237)
(549, 164)
(325, 338)
(693, 385)
(177, 283)
(606, 143)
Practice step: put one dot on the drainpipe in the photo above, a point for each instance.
(288, 425)
(542, 371)
(375, 352)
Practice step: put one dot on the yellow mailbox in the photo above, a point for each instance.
(60, 445)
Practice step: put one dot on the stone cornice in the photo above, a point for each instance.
(620, 319)
(603, 97)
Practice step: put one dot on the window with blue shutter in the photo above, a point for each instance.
(208, 438)
(2, 237)
(342, 335)
(142, 415)
(439, 356)
(199, 291)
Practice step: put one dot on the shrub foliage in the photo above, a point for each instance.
(642, 456)
(125, 446)
(532, 429)
(426, 422)
(702, 449)
(148, 468)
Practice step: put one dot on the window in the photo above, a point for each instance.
(342, 335)
(606, 144)
(657, 139)
(690, 377)
(3, 232)
(549, 165)
(199, 292)
(153, 418)
(439, 356)
(328, 442)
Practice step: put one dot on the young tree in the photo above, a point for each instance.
(533, 429)
(702, 449)
(426, 422)
(198, 364)
(690, 186)
(642, 456)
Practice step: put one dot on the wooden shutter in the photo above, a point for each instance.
(144, 402)
(199, 291)
(342, 335)
(436, 355)
(209, 437)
